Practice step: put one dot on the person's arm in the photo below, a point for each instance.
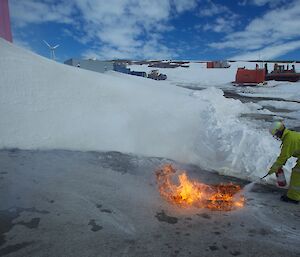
(286, 153)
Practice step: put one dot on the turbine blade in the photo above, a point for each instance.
(55, 46)
(47, 44)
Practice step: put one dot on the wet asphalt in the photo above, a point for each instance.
(68, 203)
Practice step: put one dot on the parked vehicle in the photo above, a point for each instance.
(280, 73)
(139, 73)
(250, 77)
(156, 75)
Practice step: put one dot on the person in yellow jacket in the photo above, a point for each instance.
(290, 146)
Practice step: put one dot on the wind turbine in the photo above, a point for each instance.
(52, 48)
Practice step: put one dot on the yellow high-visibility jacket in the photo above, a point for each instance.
(290, 147)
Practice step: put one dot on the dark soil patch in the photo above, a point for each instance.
(162, 217)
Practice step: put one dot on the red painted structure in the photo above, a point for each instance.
(209, 65)
(217, 64)
(254, 77)
(5, 31)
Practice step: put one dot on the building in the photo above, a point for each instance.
(217, 64)
(5, 30)
(103, 66)
(121, 67)
(91, 64)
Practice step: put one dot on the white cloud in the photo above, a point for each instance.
(220, 25)
(149, 50)
(213, 9)
(33, 11)
(272, 3)
(242, 2)
(274, 28)
(120, 29)
(269, 52)
(184, 5)
(222, 18)
(124, 27)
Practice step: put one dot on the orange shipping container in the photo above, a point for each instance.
(250, 76)
(210, 65)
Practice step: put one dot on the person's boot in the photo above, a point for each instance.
(284, 198)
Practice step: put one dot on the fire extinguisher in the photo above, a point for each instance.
(281, 181)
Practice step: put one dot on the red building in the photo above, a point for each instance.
(217, 64)
(5, 31)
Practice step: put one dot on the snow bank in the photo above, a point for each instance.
(47, 105)
(228, 144)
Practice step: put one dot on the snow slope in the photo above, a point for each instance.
(47, 105)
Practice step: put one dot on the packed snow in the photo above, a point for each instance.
(284, 90)
(48, 105)
(198, 75)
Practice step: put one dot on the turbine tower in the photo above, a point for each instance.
(52, 48)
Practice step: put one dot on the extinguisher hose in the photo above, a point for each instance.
(265, 176)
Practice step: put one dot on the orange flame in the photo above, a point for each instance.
(223, 197)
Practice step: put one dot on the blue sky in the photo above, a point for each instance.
(159, 29)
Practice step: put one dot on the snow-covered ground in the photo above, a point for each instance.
(47, 105)
(197, 76)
